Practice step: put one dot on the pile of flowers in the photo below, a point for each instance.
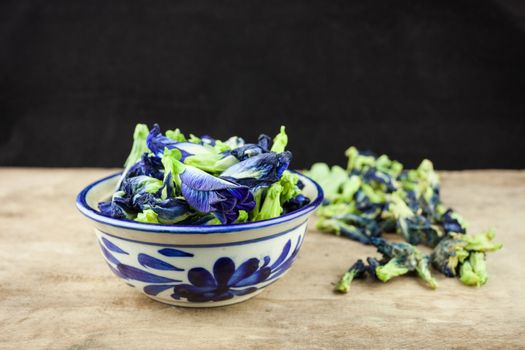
(375, 195)
(173, 179)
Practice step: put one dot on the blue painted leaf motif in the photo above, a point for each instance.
(200, 277)
(113, 247)
(149, 261)
(157, 288)
(255, 278)
(108, 255)
(130, 272)
(115, 271)
(223, 269)
(284, 254)
(225, 281)
(239, 292)
(246, 269)
(170, 252)
(266, 261)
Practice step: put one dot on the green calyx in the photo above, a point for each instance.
(289, 183)
(343, 285)
(172, 165)
(139, 145)
(330, 180)
(211, 162)
(280, 141)
(175, 135)
(473, 272)
(482, 242)
(395, 267)
(147, 216)
(271, 207)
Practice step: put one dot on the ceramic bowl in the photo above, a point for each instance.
(198, 266)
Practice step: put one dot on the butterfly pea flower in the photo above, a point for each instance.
(416, 229)
(234, 142)
(261, 170)
(453, 222)
(339, 228)
(207, 193)
(167, 211)
(251, 149)
(402, 258)
(473, 272)
(454, 251)
(192, 152)
(135, 185)
(359, 161)
(271, 206)
(447, 256)
(369, 226)
(387, 182)
(157, 143)
(119, 207)
(372, 264)
(148, 165)
(357, 270)
(295, 203)
(330, 180)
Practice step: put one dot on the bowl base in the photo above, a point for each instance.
(234, 300)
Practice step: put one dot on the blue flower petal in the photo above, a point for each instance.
(174, 252)
(246, 269)
(149, 261)
(112, 246)
(261, 170)
(169, 211)
(295, 203)
(247, 151)
(193, 293)
(265, 142)
(148, 166)
(155, 289)
(108, 255)
(207, 193)
(157, 142)
(130, 272)
(244, 291)
(284, 254)
(223, 269)
(223, 296)
(255, 278)
(201, 277)
(202, 181)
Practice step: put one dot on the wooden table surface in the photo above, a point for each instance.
(57, 293)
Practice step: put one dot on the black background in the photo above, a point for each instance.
(437, 79)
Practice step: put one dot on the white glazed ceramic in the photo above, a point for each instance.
(198, 266)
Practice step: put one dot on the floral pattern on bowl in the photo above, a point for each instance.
(198, 266)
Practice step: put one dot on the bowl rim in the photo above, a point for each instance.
(95, 215)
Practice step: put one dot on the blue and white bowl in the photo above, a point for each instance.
(198, 266)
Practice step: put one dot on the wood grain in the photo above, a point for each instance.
(57, 293)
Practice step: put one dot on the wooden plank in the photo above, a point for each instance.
(56, 292)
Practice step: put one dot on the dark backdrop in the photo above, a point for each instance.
(437, 79)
